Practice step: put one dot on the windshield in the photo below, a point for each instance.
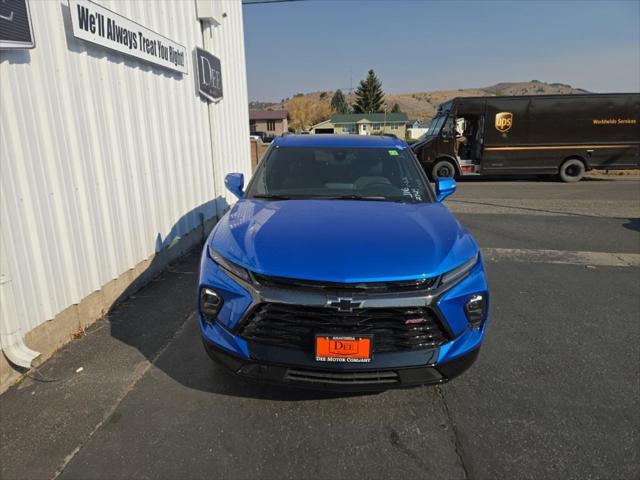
(340, 173)
(436, 125)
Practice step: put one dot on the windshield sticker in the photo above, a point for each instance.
(409, 190)
(393, 153)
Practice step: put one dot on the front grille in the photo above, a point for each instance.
(340, 378)
(370, 287)
(295, 326)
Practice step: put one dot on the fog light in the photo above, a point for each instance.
(475, 309)
(210, 304)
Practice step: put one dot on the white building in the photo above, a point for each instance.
(111, 164)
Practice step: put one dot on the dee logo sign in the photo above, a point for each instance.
(209, 75)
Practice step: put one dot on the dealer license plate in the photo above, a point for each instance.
(343, 348)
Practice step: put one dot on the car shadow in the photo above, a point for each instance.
(632, 224)
(187, 362)
(527, 178)
(156, 315)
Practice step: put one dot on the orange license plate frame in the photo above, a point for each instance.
(343, 348)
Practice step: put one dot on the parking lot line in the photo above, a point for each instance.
(595, 259)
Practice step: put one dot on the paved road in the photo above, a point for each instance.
(554, 393)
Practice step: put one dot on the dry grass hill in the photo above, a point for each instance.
(423, 105)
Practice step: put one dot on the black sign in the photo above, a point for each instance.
(209, 75)
(15, 25)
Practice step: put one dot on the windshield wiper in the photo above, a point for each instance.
(370, 198)
(273, 197)
(351, 197)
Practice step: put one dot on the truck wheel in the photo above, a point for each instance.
(443, 168)
(572, 170)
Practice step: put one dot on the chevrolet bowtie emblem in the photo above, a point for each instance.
(344, 304)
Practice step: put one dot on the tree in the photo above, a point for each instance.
(369, 95)
(305, 112)
(300, 109)
(339, 103)
(321, 111)
(395, 108)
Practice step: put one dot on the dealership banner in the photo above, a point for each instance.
(99, 25)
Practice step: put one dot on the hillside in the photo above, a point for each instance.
(423, 105)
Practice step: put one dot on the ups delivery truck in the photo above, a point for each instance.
(562, 135)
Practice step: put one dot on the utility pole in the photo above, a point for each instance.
(384, 125)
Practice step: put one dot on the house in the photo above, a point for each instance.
(272, 122)
(364, 124)
(417, 128)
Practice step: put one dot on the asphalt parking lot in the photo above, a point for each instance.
(554, 394)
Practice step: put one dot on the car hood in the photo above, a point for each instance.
(342, 241)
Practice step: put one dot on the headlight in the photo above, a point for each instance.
(459, 272)
(229, 266)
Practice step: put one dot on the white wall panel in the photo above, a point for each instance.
(229, 122)
(105, 158)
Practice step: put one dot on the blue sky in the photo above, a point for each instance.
(418, 45)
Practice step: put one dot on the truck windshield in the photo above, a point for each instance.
(384, 174)
(436, 125)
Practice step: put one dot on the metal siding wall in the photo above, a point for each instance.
(104, 159)
(229, 118)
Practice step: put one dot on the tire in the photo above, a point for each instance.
(443, 168)
(572, 170)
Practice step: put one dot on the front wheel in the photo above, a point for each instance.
(572, 171)
(443, 168)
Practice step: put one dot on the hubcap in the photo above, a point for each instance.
(444, 172)
(573, 170)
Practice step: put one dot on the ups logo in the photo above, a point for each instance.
(504, 121)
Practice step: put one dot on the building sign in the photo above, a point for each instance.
(209, 75)
(15, 25)
(96, 24)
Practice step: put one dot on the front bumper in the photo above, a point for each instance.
(297, 367)
(348, 380)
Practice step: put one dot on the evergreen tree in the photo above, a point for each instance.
(339, 103)
(369, 95)
(395, 108)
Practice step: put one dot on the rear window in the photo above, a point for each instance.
(370, 173)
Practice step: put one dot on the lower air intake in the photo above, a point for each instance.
(351, 378)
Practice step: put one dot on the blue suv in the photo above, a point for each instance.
(340, 268)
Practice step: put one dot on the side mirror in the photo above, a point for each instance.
(444, 187)
(235, 183)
